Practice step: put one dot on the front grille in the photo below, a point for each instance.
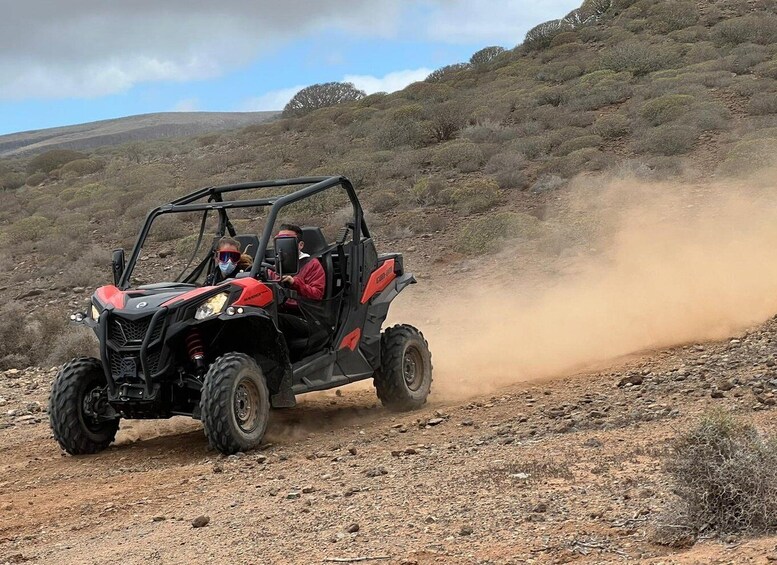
(125, 331)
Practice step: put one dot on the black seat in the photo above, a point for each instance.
(249, 243)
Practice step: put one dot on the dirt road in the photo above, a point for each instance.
(545, 472)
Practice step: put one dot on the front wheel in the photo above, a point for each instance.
(235, 403)
(404, 379)
(80, 418)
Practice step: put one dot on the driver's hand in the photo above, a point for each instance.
(287, 280)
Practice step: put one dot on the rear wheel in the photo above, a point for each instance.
(235, 403)
(404, 379)
(79, 414)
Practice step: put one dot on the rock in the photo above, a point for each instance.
(352, 529)
(633, 380)
(410, 451)
(261, 458)
(293, 495)
(200, 521)
(218, 468)
(467, 422)
(717, 394)
(338, 392)
(352, 450)
(540, 507)
(308, 490)
(435, 421)
(376, 472)
(158, 519)
(725, 385)
(466, 531)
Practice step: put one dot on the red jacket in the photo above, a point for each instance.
(310, 282)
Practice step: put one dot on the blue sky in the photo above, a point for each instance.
(86, 60)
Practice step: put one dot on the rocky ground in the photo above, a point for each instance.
(542, 472)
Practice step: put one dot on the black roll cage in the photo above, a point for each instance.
(211, 198)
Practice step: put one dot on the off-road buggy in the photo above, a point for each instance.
(216, 353)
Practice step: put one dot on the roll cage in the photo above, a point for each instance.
(212, 199)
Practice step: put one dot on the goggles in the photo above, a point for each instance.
(224, 256)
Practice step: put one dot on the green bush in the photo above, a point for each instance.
(506, 169)
(10, 180)
(576, 143)
(707, 116)
(598, 89)
(725, 474)
(472, 196)
(753, 28)
(35, 179)
(639, 58)
(750, 155)
(489, 234)
(763, 103)
(612, 126)
(384, 202)
(669, 139)
(463, 156)
(31, 228)
(81, 167)
(665, 108)
(430, 190)
(541, 36)
(54, 159)
(486, 55)
(671, 16)
(767, 69)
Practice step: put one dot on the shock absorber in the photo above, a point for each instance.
(196, 348)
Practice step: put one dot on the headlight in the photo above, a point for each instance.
(95, 313)
(214, 305)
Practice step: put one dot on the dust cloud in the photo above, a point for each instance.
(621, 267)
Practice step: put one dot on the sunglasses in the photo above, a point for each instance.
(224, 256)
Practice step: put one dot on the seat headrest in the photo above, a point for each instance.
(314, 239)
(249, 243)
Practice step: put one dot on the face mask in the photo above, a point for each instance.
(227, 268)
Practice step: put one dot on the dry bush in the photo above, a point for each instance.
(668, 139)
(35, 179)
(763, 103)
(446, 72)
(725, 473)
(767, 69)
(463, 156)
(81, 167)
(489, 234)
(10, 180)
(671, 16)
(541, 36)
(29, 338)
(639, 58)
(31, 228)
(402, 127)
(547, 183)
(665, 109)
(576, 143)
(486, 55)
(707, 116)
(506, 169)
(385, 201)
(429, 191)
(445, 119)
(472, 196)
(749, 155)
(54, 159)
(612, 126)
(598, 89)
(753, 28)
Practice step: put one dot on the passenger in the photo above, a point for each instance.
(229, 261)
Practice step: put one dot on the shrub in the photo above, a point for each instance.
(506, 169)
(445, 120)
(665, 108)
(707, 116)
(446, 72)
(639, 58)
(430, 190)
(767, 69)
(612, 126)
(753, 28)
(576, 143)
(384, 202)
(750, 155)
(671, 16)
(541, 36)
(31, 228)
(473, 196)
(321, 96)
(489, 234)
(402, 127)
(669, 139)
(763, 103)
(54, 159)
(725, 474)
(11, 181)
(463, 156)
(81, 167)
(598, 89)
(547, 183)
(486, 55)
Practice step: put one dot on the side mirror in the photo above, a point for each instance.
(117, 265)
(286, 255)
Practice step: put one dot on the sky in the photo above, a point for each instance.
(78, 61)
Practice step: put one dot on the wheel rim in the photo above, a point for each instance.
(89, 409)
(247, 405)
(413, 368)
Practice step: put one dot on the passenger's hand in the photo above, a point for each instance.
(287, 280)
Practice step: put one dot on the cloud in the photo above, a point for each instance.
(388, 83)
(90, 48)
(277, 99)
(273, 100)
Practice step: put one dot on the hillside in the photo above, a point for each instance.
(107, 133)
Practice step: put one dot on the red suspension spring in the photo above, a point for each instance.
(195, 346)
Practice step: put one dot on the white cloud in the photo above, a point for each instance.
(273, 100)
(387, 83)
(187, 105)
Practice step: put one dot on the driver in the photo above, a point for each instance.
(310, 281)
(229, 261)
